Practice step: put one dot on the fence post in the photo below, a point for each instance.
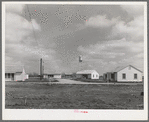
(25, 100)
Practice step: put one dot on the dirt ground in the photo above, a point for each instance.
(32, 95)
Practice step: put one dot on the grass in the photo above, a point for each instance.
(43, 95)
(39, 80)
(90, 80)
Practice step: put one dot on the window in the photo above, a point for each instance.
(93, 75)
(123, 76)
(135, 76)
(5, 75)
(8, 75)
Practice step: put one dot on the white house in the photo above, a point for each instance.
(87, 74)
(15, 73)
(124, 74)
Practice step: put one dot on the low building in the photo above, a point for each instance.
(68, 75)
(15, 73)
(124, 74)
(53, 75)
(100, 77)
(87, 74)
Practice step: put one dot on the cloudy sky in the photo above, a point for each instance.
(106, 36)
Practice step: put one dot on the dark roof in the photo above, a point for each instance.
(122, 67)
(18, 72)
(13, 69)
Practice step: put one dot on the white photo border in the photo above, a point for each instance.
(69, 114)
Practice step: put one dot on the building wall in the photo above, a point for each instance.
(10, 78)
(109, 76)
(52, 76)
(20, 77)
(94, 75)
(27, 76)
(68, 76)
(17, 77)
(89, 76)
(105, 76)
(57, 76)
(45, 76)
(115, 76)
(129, 75)
(78, 75)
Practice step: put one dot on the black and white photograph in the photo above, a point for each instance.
(74, 60)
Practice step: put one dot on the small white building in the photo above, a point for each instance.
(87, 74)
(15, 73)
(124, 74)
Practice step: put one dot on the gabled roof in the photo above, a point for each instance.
(121, 68)
(86, 71)
(13, 69)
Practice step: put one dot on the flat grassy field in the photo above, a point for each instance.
(42, 95)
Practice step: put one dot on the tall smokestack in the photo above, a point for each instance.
(41, 67)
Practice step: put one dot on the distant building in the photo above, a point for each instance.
(88, 74)
(15, 73)
(124, 74)
(53, 75)
(68, 75)
(100, 77)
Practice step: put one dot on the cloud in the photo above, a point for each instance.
(134, 10)
(101, 49)
(135, 60)
(100, 21)
(29, 55)
(133, 29)
(18, 27)
(109, 54)
(112, 48)
(20, 44)
(36, 26)
(14, 8)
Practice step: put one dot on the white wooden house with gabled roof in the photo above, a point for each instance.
(88, 74)
(124, 74)
(15, 73)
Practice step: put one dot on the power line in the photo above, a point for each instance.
(32, 25)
